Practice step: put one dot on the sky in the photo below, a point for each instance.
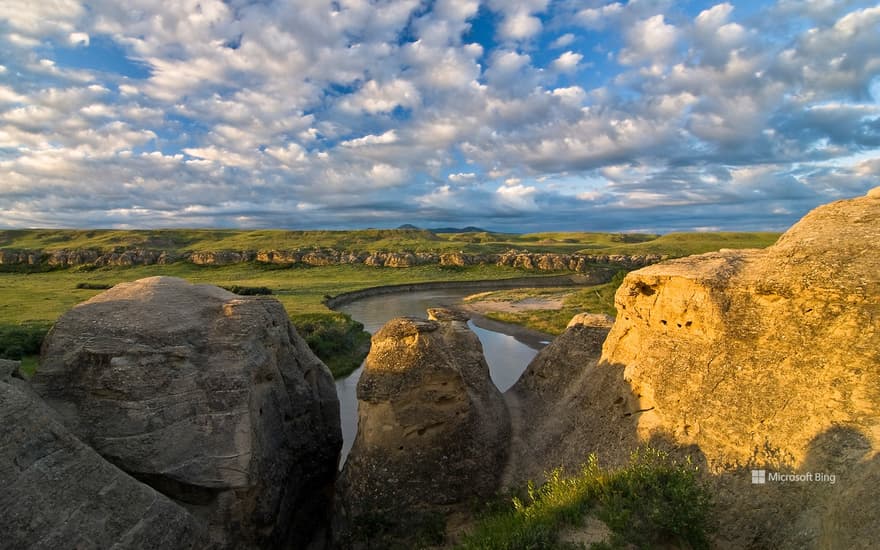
(512, 115)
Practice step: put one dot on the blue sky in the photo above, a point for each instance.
(515, 115)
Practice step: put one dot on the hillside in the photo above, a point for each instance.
(179, 241)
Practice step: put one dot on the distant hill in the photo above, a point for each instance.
(468, 229)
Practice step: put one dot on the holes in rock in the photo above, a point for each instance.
(663, 321)
(643, 289)
(688, 323)
(400, 448)
(618, 401)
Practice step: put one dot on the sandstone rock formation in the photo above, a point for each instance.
(432, 427)
(563, 403)
(763, 359)
(786, 337)
(578, 263)
(59, 493)
(211, 398)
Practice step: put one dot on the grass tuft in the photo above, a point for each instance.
(654, 500)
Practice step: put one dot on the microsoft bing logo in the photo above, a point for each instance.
(759, 477)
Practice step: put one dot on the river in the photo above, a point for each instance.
(506, 355)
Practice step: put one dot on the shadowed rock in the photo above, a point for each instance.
(567, 405)
(432, 428)
(209, 397)
(59, 493)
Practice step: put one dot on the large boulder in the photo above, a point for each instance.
(760, 359)
(59, 493)
(432, 427)
(209, 397)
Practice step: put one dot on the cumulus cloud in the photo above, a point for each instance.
(567, 62)
(381, 98)
(649, 40)
(563, 41)
(362, 113)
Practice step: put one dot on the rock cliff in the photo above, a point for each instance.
(432, 427)
(211, 398)
(753, 359)
(530, 261)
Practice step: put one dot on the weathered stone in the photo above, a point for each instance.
(59, 493)
(432, 429)
(221, 257)
(209, 397)
(566, 405)
(756, 331)
(746, 359)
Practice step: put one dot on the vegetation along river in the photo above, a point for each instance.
(506, 354)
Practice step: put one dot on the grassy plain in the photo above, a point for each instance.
(384, 240)
(33, 298)
(30, 302)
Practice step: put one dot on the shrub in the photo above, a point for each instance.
(335, 338)
(248, 290)
(17, 341)
(93, 286)
(654, 500)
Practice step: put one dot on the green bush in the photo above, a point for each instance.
(93, 286)
(654, 500)
(335, 338)
(17, 341)
(248, 290)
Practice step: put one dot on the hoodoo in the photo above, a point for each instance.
(432, 430)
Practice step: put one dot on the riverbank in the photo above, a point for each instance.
(544, 309)
(582, 279)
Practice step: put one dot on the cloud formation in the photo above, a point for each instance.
(517, 115)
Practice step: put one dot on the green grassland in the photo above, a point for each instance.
(30, 302)
(379, 240)
(31, 299)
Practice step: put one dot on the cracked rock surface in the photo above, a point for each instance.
(211, 398)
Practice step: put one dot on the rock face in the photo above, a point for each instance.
(766, 359)
(579, 263)
(432, 427)
(560, 414)
(211, 398)
(59, 493)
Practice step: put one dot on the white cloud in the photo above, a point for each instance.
(382, 139)
(562, 41)
(78, 38)
(649, 39)
(597, 18)
(520, 25)
(567, 62)
(462, 177)
(303, 106)
(382, 98)
(519, 21)
(517, 196)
